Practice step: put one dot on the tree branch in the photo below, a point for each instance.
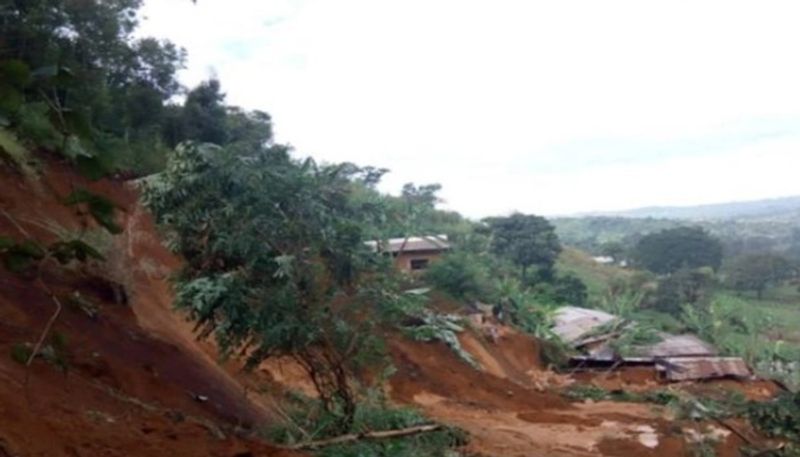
(377, 435)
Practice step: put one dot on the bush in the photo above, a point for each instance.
(462, 275)
(570, 290)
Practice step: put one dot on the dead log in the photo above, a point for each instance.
(377, 435)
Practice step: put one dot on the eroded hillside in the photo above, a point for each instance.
(121, 373)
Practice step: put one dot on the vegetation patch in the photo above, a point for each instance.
(306, 422)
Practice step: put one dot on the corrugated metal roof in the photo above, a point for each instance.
(678, 345)
(412, 244)
(688, 368)
(572, 322)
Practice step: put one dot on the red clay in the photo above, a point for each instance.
(134, 370)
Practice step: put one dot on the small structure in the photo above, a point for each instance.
(674, 357)
(413, 253)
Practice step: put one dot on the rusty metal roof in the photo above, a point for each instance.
(412, 244)
(572, 322)
(689, 368)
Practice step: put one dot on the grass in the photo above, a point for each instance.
(596, 276)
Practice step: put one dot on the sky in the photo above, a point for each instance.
(546, 107)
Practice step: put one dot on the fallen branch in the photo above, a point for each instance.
(47, 327)
(378, 435)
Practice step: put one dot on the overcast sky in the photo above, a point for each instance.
(549, 107)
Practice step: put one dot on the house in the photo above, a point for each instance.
(413, 253)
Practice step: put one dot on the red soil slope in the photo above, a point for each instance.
(512, 407)
(134, 372)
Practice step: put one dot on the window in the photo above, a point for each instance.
(419, 264)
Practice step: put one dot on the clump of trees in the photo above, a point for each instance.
(670, 250)
(755, 272)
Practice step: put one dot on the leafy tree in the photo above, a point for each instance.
(684, 287)
(275, 262)
(527, 241)
(758, 271)
(614, 249)
(462, 275)
(669, 250)
(571, 290)
(204, 114)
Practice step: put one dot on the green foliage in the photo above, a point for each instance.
(74, 80)
(758, 271)
(633, 338)
(67, 251)
(527, 241)
(462, 275)
(101, 209)
(275, 262)
(685, 286)
(622, 304)
(307, 421)
(779, 418)
(569, 289)
(591, 392)
(669, 250)
(19, 257)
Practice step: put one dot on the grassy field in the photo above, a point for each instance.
(597, 277)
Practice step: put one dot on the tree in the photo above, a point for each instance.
(613, 249)
(570, 290)
(275, 262)
(204, 114)
(684, 287)
(462, 275)
(526, 240)
(669, 250)
(758, 271)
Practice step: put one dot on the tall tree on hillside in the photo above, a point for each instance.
(275, 260)
(758, 271)
(204, 114)
(669, 250)
(526, 240)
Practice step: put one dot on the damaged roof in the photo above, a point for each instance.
(677, 357)
(572, 322)
(690, 368)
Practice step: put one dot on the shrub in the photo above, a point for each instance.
(462, 275)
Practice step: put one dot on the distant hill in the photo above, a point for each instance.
(774, 207)
(752, 226)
